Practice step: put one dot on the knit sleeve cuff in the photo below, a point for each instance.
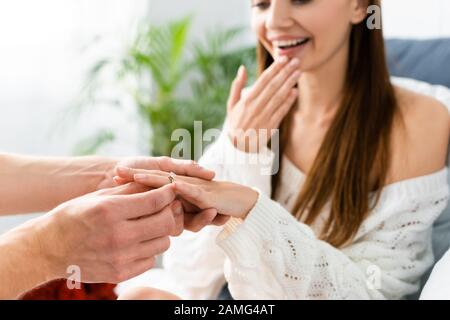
(241, 237)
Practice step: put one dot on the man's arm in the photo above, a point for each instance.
(21, 265)
(110, 236)
(35, 184)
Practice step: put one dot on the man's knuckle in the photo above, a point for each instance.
(164, 245)
(164, 161)
(115, 240)
(117, 260)
(151, 263)
(168, 225)
(122, 275)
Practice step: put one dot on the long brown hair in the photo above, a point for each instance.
(354, 157)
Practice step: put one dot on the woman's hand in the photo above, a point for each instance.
(194, 218)
(253, 117)
(229, 199)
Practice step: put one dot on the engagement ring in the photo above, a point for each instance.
(171, 177)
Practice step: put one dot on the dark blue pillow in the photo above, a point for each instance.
(425, 60)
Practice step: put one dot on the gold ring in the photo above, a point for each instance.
(171, 177)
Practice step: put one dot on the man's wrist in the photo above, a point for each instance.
(47, 246)
(106, 168)
(23, 265)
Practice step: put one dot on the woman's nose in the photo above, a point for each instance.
(279, 15)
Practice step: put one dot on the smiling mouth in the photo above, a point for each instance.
(283, 45)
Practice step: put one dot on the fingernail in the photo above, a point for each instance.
(123, 169)
(177, 209)
(283, 59)
(241, 70)
(296, 74)
(139, 176)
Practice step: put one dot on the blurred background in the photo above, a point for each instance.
(113, 77)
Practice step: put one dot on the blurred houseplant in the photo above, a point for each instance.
(159, 62)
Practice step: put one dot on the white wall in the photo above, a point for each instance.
(207, 14)
(416, 18)
(42, 67)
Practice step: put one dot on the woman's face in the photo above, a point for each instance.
(312, 30)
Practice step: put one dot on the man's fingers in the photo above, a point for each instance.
(150, 178)
(136, 268)
(178, 213)
(129, 188)
(145, 203)
(197, 221)
(127, 174)
(143, 250)
(167, 222)
(188, 207)
(237, 87)
(119, 181)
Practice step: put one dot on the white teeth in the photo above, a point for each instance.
(288, 43)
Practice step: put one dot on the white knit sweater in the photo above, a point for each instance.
(271, 255)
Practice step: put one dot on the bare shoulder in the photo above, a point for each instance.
(420, 146)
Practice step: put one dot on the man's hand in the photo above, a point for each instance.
(195, 218)
(110, 235)
(113, 234)
(179, 167)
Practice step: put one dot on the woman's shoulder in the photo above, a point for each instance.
(420, 136)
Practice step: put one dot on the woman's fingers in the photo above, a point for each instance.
(280, 97)
(266, 77)
(236, 88)
(165, 165)
(182, 167)
(274, 87)
(283, 109)
(144, 250)
(152, 180)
